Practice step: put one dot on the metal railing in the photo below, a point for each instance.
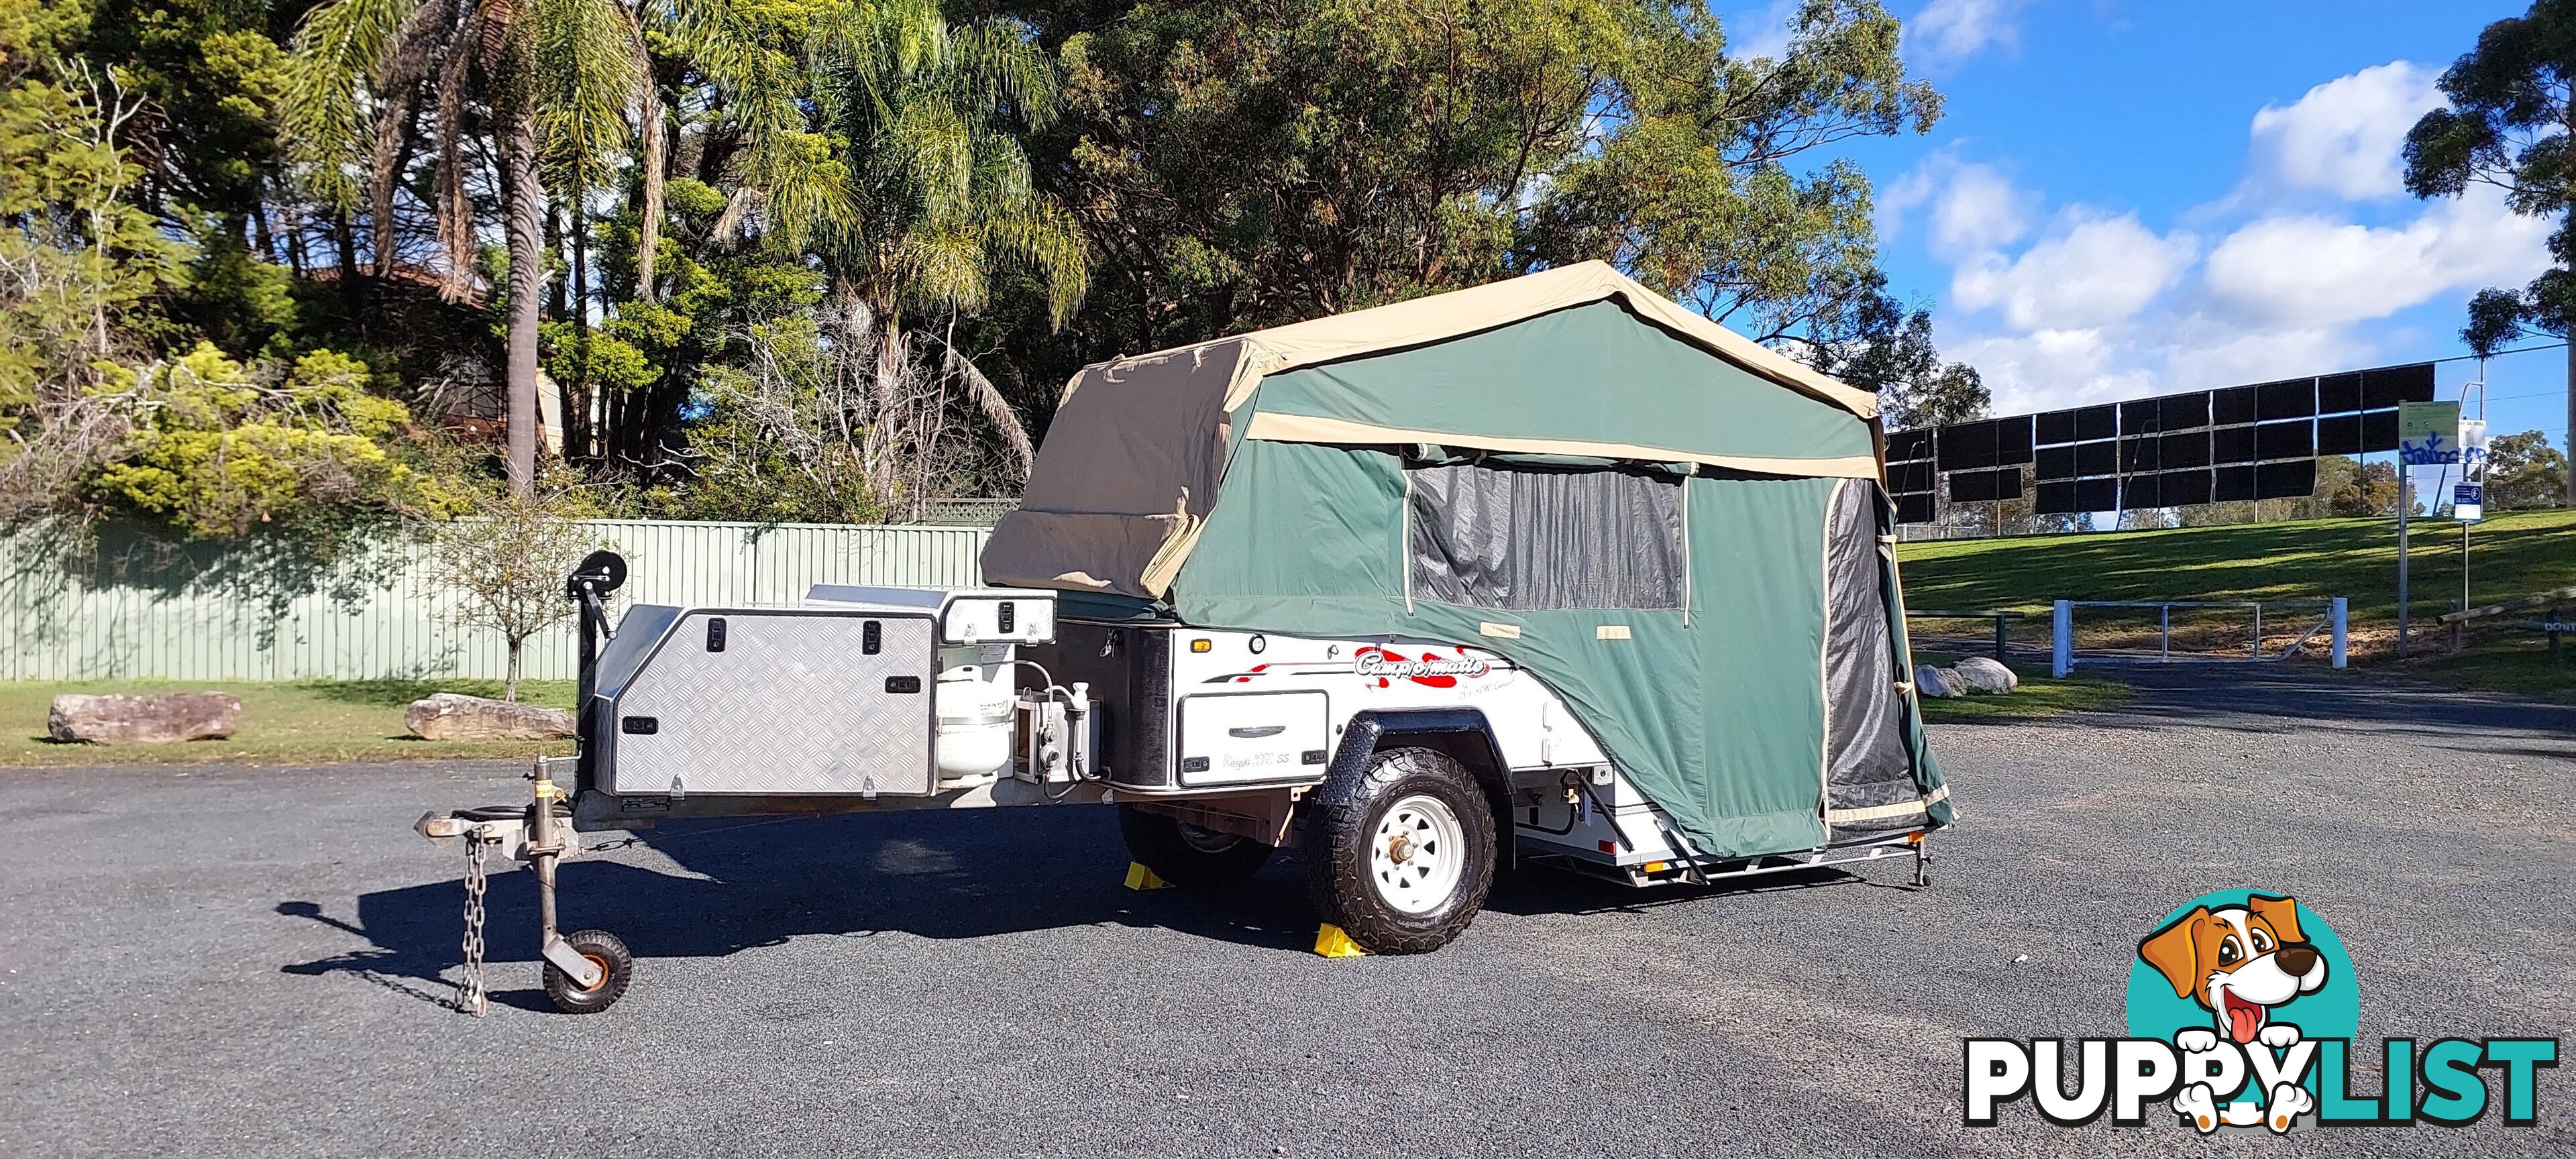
(2002, 619)
(2062, 657)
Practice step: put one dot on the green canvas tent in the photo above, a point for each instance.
(1681, 532)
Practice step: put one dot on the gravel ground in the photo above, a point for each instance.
(235, 961)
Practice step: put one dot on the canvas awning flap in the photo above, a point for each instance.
(1136, 436)
(1080, 552)
(1129, 470)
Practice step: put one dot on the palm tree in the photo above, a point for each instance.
(929, 195)
(557, 88)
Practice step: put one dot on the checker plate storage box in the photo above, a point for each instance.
(773, 702)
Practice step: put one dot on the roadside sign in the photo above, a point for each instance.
(2468, 499)
(2428, 433)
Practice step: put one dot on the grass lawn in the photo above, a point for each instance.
(2514, 554)
(2511, 555)
(2037, 698)
(307, 722)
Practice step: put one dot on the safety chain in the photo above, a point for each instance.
(470, 995)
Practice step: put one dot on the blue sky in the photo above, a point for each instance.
(2130, 197)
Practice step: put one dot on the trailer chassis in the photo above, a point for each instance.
(588, 970)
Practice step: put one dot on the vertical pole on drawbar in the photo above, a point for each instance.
(2061, 648)
(2338, 614)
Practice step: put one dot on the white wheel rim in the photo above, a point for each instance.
(1418, 855)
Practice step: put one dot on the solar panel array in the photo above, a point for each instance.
(2175, 450)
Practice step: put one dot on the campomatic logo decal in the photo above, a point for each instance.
(1379, 663)
(1431, 669)
(2243, 1013)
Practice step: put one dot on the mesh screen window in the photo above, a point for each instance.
(1532, 538)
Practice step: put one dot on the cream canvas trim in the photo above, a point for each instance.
(1690, 582)
(1824, 654)
(1498, 631)
(1440, 316)
(1270, 426)
(1611, 632)
(1899, 809)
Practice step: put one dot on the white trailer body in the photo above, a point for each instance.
(906, 698)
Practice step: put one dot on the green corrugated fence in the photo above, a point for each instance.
(58, 628)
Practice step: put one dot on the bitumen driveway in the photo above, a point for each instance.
(255, 961)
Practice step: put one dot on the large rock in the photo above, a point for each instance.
(1984, 675)
(454, 716)
(1934, 681)
(160, 719)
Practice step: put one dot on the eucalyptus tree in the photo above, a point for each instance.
(1241, 165)
(929, 201)
(2511, 125)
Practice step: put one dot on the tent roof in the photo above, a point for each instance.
(1439, 316)
(1577, 361)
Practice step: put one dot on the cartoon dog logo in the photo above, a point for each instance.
(2239, 962)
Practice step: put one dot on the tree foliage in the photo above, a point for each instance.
(80, 263)
(827, 259)
(1244, 165)
(2524, 472)
(508, 556)
(2511, 125)
(2508, 126)
(218, 451)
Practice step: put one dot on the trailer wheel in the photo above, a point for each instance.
(616, 969)
(1401, 854)
(1186, 855)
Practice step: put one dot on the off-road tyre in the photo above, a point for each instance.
(1184, 855)
(1353, 817)
(617, 968)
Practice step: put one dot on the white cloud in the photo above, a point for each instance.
(1949, 31)
(2343, 137)
(2049, 369)
(2299, 280)
(2095, 271)
(2205, 352)
(2308, 270)
(1974, 207)
(1980, 210)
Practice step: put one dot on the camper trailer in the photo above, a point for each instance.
(1547, 571)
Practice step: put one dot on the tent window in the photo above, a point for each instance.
(1533, 538)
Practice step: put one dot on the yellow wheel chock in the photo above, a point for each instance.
(1331, 942)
